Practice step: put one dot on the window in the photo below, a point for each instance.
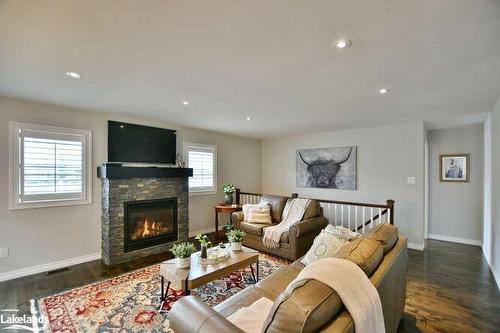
(203, 159)
(50, 166)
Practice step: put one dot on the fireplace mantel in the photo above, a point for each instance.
(120, 172)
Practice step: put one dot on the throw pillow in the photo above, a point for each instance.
(342, 232)
(259, 213)
(325, 245)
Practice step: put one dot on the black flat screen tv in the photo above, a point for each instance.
(140, 144)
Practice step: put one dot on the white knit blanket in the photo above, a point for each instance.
(354, 288)
(272, 235)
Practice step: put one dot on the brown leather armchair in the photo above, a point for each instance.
(296, 241)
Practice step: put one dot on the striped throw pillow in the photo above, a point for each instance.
(259, 213)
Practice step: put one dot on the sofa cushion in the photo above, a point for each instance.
(252, 228)
(365, 252)
(325, 245)
(385, 233)
(305, 307)
(277, 204)
(312, 210)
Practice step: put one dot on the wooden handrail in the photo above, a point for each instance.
(388, 207)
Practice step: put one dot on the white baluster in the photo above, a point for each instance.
(388, 215)
(379, 215)
(363, 219)
(342, 214)
(371, 217)
(356, 217)
(335, 214)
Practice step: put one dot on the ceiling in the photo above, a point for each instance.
(268, 60)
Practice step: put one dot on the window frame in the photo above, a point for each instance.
(15, 172)
(185, 150)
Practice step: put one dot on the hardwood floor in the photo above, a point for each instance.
(450, 288)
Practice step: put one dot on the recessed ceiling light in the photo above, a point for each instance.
(383, 91)
(74, 75)
(185, 103)
(248, 118)
(342, 44)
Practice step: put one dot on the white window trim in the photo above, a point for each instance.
(195, 192)
(14, 172)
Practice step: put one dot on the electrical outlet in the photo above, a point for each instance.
(411, 180)
(4, 252)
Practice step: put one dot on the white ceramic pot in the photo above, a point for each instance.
(183, 262)
(236, 246)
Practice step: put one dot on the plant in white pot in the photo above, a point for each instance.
(182, 252)
(236, 238)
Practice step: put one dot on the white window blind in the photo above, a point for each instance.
(52, 164)
(203, 159)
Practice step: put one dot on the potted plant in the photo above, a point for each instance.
(235, 237)
(229, 189)
(204, 243)
(182, 252)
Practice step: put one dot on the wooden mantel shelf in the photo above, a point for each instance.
(118, 172)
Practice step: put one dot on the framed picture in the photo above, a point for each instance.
(454, 168)
(329, 168)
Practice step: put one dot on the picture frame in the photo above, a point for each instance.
(454, 168)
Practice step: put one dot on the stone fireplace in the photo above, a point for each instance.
(144, 210)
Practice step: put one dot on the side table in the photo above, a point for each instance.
(228, 209)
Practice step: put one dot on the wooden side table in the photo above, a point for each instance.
(228, 209)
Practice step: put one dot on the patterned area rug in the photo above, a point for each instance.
(129, 302)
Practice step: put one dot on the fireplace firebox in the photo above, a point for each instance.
(149, 222)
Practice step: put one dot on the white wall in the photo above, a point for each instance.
(493, 255)
(456, 209)
(44, 235)
(386, 157)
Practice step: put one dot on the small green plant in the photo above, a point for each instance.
(183, 249)
(228, 227)
(203, 239)
(229, 188)
(235, 236)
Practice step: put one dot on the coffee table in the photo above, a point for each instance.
(198, 274)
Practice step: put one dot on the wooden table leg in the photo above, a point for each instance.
(216, 222)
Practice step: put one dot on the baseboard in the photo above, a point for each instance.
(48, 267)
(492, 269)
(456, 239)
(202, 231)
(416, 246)
(496, 276)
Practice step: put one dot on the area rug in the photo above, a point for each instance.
(129, 303)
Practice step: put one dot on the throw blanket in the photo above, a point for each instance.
(251, 319)
(294, 214)
(354, 288)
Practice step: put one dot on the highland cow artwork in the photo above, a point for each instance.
(332, 168)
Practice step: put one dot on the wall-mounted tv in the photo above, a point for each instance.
(140, 144)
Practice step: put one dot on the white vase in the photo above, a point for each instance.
(183, 263)
(236, 246)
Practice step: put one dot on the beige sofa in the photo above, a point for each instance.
(295, 242)
(386, 266)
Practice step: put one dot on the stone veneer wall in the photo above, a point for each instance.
(117, 191)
